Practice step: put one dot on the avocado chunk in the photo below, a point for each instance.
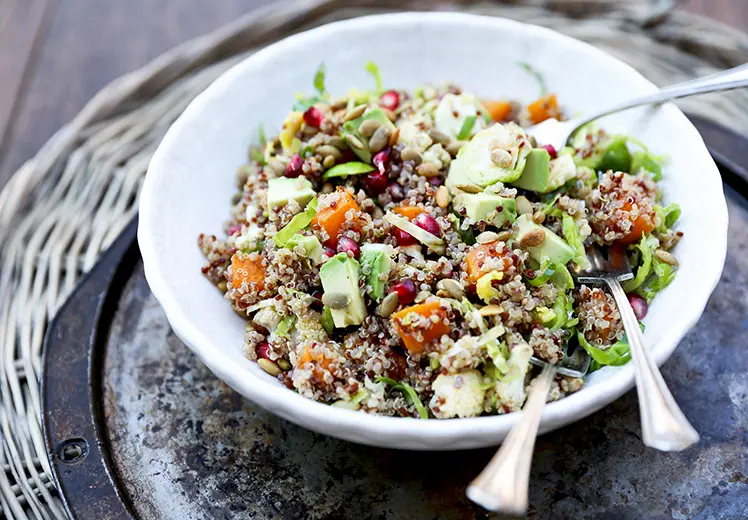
(488, 207)
(284, 189)
(339, 276)
(376, 265)
(536, 175)
(496, 154)
(541, 242)
(310, 246)
(352, 127)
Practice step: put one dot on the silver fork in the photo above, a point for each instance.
(503, 484)
(664, 426)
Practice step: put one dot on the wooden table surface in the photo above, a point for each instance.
(55, 55)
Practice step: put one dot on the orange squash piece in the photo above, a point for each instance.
(434, 331)
(317, 359)
(477, 257)
(246, 270)
(544, 108)
(644, 223)
(498, 110)
(332, 217)
(409, 212)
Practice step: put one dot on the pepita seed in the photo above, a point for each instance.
(309, 131)
(389, 113)
(335, 300)
(269, 367)
(666, 257)
(368, 127)
(532, 238)
(410, 153)
(327, 149)
(501, 157)
(538, 217)
(354, 142)
(394, 136)
(355, 113)
(453, 147)
(339, 103)
(504, 235)
(453, 287)
(222, 286)
(422, 296)
(442, 197)
(278, 167)
(284, 364)
(337, 142)
(469, 188)
(490, 310)
(523, 205)
(487, 237)
(328, 162)
(439, 136)
(388, 305)
(428, 169)
(379, 140)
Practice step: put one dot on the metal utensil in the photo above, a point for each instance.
(557, 133)
(664, 426)
(503, 484)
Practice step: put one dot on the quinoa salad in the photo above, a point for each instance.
(407, 253)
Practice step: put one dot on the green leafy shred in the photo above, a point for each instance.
(408, 392)
(616, 355)
(467, 127)
(256, 154)
(538, 77)
(326, 320)
(297, 223)
(263, 137)
(284, 327)
(542, 273)
(571, 234)
(349, 168)
(499, 354)
(319, 79)
(373, 69)
(646, 249)
(668, 216)
(662, 275)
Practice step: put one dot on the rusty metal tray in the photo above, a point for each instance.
(137, 427)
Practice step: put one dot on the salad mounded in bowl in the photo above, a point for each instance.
(407, 252)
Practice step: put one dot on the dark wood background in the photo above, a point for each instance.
(56, 54)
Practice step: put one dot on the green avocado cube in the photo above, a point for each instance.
(376, 265)
(545, 243)
(339, 276)
(488, 207)
(284, 189)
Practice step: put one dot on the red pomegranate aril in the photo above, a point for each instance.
(313, 117)
(551, 150)
(293, 168)
(375, 182)
(390, 100)
(262, 350)
(403, 237)
(428, 223)
(436, 181)
(349, 246)
(234, 229)
(406, 291)
(639, 305)
(381, 159)
(328, 251)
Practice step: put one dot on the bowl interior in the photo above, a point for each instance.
(190, 183)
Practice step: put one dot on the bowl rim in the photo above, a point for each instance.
(355, 425)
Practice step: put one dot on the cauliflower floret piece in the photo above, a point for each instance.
(464, 353)
(510, 390)
(268, 318)
(308, 329)
(458, 395)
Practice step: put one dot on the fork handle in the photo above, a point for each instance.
(664, 426)
(503, 484)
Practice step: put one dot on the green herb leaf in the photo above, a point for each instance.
(307, 151)
(616, 355)
(467, 127)
(373, 69)
(326, 320)
(303, 104)
(409, 393)
(256, 155)
(571, 234)
(319, 79)
(298, 222)
(349, 168)
(646, 247)
(284, 327)
(263, 137)
(538, 77)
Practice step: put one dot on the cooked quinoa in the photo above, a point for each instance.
(407, 252)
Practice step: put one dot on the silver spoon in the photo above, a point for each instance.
(503, 484)
(557, 133)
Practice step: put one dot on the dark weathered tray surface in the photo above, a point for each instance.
(159, 437)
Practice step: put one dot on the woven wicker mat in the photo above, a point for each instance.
(67, 204)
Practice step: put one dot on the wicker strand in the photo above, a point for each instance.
(67, 204)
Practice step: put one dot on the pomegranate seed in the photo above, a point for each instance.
(428, 223)
(436, 181)
(328, 251)
(406, 291)
(403, 238)
(639, 305)
(381, 160)
(390, 100)
(317, 302)
(551, 150)
(375, 182)
(234, 229)
(293, 168)
(262, 350)
(348, 245)
(313, 117)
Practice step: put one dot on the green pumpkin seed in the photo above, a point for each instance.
(354, 142)
(487, 237)
(368, 127)
(442, 197)
(410, 153)
(469, 188)
(355, 113)
(388, 305)
(452, 287)
(269, 367)
(453, 148)
(284, 364)
(328, 162)
(666, 257)
(379, 140)
(439, 136)
(327, 149)
(428, 169)
(278, 167)
(336, 301)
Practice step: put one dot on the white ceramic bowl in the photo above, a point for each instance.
(191, 180)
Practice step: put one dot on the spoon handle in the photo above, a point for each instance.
(724, 80)
(503, 484)
(664, 426)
